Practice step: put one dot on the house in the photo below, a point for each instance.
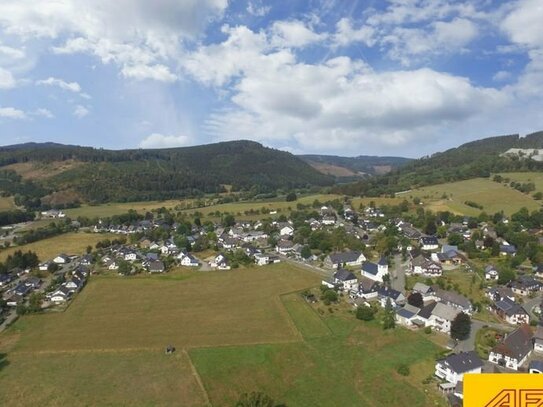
(538, 271)
(449, 257)
(86, 260)
(396, 297)
(429, 243)
(263, 259)
(375, 271)
(538, 339)
(15, 300)
(45, 266)
(421, 265)
(5, 279)
(453, 368)
(525, 285)
(343, 259)
(453, 299)
(329, 220)
(33, 282)
(220, 262)
(284, 246)
(60, 295)
(500, 293)
(345, 280)
(536, 366)
(367, 289)
(74, 284)
(508, 250)
(512, 312)
(442, 316)
(514, 349)
(61, 259)
(189, 261)
(156, 266)
(491, 273)
(406, 315)
(427, 292)
(285, 229)
(112, 264)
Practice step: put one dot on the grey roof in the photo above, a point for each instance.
(370, 267)
(383, 261)
(344, 275)
(367, 285)
(517, 344)
(453, 298)
(345, 257)
(510, 307)
(463, 362)
(445, 311)
(536, 364)
(422, 288)
(429, 240)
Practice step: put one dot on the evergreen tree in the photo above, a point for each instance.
(389, 321)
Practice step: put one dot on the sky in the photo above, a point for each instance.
(344, 77)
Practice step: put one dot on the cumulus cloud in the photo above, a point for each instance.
(157, 140)
(11, 113)
(257, 9)
(69, 86)
(7, 81)
(10, 52)
(81, 111)
(346, 34)
(130, 33)
(294, 33)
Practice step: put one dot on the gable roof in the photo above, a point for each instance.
(517, 344)
(422, 288)
(370, 268)
(344, 257)
(452, 298)
(463, 362)
(344, 275)
(426, 311)
(445, 311)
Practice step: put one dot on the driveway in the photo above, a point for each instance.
(476, 325)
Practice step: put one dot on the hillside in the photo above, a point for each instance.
(479, 158)
(361, 166)
(34, 171)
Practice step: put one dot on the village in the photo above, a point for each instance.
(379, 261)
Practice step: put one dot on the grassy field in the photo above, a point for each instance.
(6, 203)
(493, 196)
(525, 177)
(69, 243)
(236, 207)
(242, 330)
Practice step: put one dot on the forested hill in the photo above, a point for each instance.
(97, 175)
(475, 159)
(343, 167)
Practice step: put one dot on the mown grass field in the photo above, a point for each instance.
(6, 203)
(243, 330)
(69, 243)
(493, 196)
(111, 209)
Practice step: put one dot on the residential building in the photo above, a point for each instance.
(453, 368)
(514, 349)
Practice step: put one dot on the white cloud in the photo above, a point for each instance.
(128, 33)
(11, 113)
(501, 76)
(42, 112)
(294, 33)
(523, 24)
(156, 72)
(69, 86)
(257, 9)
(10, 52)
(157, 140)
(81, 111)
(7, 81)
(346, 34)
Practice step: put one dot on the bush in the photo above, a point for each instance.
(403, 370)
(364, 313)
(428, 330)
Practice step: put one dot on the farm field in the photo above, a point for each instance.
(111, 209)
(493, 196)
(69, 243)
(235, 332)
(6, 203)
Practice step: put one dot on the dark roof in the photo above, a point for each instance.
(426, 311)
(383, 261)
(405, 313)
(429, 240)
(370, 267)
(344, 275)
(517, 344)
(345, 257)
(452, 298)
(536, 364)
(389, 292)
(510, 307)
(508, 248)
(463, 362)
(367, 285)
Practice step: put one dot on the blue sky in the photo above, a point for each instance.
(398, 77)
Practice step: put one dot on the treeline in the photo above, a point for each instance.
(476, 159)
(16, 216)
(20, 260)
(139, 175)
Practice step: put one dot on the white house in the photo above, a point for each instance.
(375, 271)
(538, 339)
(345, 279)
(342, 259)
(60, 295)
(491, 273)
(189, 261)
(442, 317)
(61, 259)
(454, 367)
(514, 350)
(285, 229)
(429, 243)
(263, 259)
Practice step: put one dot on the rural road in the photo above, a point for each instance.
(397, 280)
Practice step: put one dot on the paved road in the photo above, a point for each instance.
(397, 274)
(476, 326)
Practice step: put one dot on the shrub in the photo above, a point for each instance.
(403, 370)
(364, 313)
